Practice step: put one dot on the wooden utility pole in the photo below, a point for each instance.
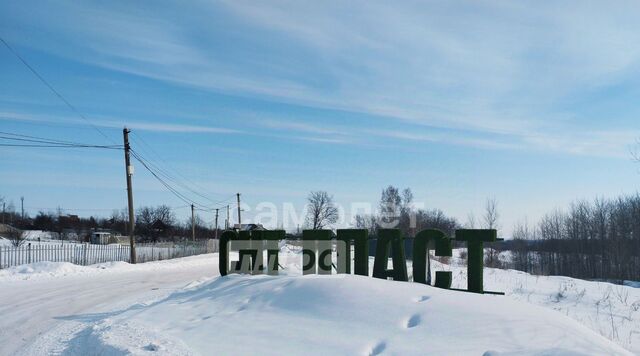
(22, 207)
(3, 213)
(227, 222)
(193, 223)
(129, 172)
(216, 227)
(239, 220)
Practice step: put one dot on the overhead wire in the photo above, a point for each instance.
(53, 90)
(168, 174)
(34, 141)
(162, 181)
(156, 171)
(165, 178)
(172, 177)
(169, 187)
(55, 146)
(174, 180)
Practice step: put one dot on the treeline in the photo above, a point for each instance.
(160, 224)
(152, 224)
(591, 240)
(396, 211)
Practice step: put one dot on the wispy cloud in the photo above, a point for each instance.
(300, 127)
(182, 128)
(445, 138)
(482, 74)
(113, 123)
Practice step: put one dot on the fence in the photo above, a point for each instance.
(88, 254)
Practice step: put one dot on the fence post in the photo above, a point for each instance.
(85, 254)
(29, 252)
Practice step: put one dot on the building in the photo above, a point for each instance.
(102, 238)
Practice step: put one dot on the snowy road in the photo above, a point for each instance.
(52, 301)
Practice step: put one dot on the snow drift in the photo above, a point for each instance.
(339, 314)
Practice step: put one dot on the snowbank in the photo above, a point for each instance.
(52, 270)
(320, 315)
(611, 310)
(378, 315)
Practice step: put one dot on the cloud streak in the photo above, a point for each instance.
(112, 123)
(482, 74)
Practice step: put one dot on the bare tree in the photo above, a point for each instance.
(491, 214)
(165, 214)
(4, 205)
(407, 223)
(15, 236)
(155, 222)
(321, 211)
(471, 221)
(490, 218)
(522, 235)
(368, 222)
(390, 207)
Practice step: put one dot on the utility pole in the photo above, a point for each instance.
(216, 223)
(3, 203)
(239, 220)
(227, 222)
(22, 207)
(129, 172)
(193, 224)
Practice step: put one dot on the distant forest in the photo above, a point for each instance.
(152, 224)
(597, 239)
(591, 240)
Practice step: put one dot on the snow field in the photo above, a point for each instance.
(292, 314)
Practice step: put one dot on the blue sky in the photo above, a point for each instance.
(533, 104)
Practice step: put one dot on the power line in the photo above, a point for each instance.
(161, 175)
(53, 90)
(154, 153)
(168, 175)
(34, 141)
(171, 178)
(54, 146)
(156, 173)
(35, 137)
(177, 182)
(51, 144)
(173, 190)
(48, 144)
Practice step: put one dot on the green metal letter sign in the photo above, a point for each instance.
(423, 242)
(316, 252)
(390, 238)
(475, 240)
(223, 256)
(360, 240)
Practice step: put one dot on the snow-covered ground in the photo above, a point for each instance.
(34, 235)
(182, 307)
(42, 242)
(611, 310)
